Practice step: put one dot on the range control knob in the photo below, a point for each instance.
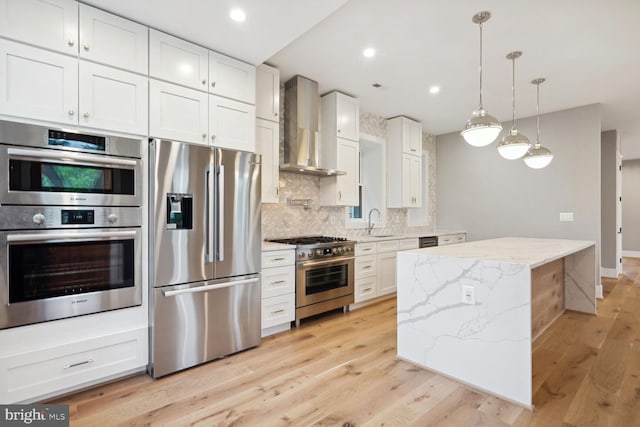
(112, 218)
(319, 252)
(301, 255)
(38, 218)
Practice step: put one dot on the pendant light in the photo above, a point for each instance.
(514, 145)
(481, 129)
(538, 157)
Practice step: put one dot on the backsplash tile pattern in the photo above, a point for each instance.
(286, 220)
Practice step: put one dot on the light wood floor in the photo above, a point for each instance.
(341, 370)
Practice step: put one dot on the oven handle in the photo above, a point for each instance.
(206, 288)
(85, 158)
(334, 261)
(120, 235)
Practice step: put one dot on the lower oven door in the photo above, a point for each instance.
(318, 281)
(53, 274)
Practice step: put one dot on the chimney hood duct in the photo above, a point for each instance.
(301, 136)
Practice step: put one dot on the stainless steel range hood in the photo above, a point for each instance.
(301, 136)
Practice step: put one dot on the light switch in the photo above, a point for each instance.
(566, 216)
(468, 295)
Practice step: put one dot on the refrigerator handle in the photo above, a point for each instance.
(209, 215)
(220, 230)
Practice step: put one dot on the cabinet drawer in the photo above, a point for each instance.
(365, 266)
(278, 258)
(278, 281)
(55, 369)
(365, 288)
(408, 244)
(460, 238)
(387, 246)
(278, 310)
(365, 248)
(451, 239)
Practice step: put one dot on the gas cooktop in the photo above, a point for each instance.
(309, 240)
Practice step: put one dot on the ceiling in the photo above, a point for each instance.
(587, 50)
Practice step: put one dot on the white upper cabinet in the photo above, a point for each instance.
(342, 190)
(231, 78)
(52, 24)
(113, 41)
(408, 133)
(267, 92)
(268, 145)
(113, 99)
(232, 124)
(340, 117)
(178, 113)
(178, 61)
(38, 84)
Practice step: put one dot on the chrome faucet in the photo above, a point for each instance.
(370, 226)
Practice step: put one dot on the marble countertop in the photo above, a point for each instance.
(515, 250)
(273, 246)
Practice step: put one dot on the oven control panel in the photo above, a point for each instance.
(323, 252)
(50, 217)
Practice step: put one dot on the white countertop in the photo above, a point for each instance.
(515, 250)
(273, 246)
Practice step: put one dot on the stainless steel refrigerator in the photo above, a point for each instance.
(205, 243)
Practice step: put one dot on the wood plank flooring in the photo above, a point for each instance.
(341, 370)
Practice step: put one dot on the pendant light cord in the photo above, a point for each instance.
(537, 115)
(513, 91)
(480, 24)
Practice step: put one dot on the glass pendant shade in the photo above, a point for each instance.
(514, 145)
(538, 157)
(481, 129)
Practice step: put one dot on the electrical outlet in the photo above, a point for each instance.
(566, 216)
(332, 219)
(468, 295)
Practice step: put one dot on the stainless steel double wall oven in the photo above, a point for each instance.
(70, 223)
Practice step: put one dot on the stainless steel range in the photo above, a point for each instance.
(324, 274)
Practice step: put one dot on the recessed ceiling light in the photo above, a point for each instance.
(369, 52)
(434, 89)
(238, 15)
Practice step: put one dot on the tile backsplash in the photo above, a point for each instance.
(286, 220)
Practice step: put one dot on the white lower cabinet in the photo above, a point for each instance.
(232, 124)
(375, 267)
(69, 366)
(278, 290)
(178, 113)
(452, 239)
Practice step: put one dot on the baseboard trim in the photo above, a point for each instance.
(599, 292)
(632, 254)
(609, 272)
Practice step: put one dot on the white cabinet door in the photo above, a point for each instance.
(231, 78)
(386, 272)
(347, 116)
(232, 124)
(52, 24)
(411, 137)
(267, 92)
(178, 61)
(178, 113)
(415, 181)
(113, 41)
(113, 99)
(38, 84)
(268, 145)
(347, 185)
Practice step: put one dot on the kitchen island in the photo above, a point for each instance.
(471, 311)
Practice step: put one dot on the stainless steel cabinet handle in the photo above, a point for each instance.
(366, 266)
(413, 149)
(339, 195)
(71, 42)
(278, 259)
(204, 82)
(73, 365)
(277, 282)
(86, 46)
(86, 115)
(366, 249)
(72, 112)
(277, 311)
(365, 290)
(213, 136)
(276, 114)
(206, 288)
(213, 84)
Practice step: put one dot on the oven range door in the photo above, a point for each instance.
(54, 274)
(322, 280)
(38, 176)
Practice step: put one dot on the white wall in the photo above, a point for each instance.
(608, 168)
(631, 205)
(479, 191)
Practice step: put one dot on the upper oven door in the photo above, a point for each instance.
(53, 274)
(36, 176)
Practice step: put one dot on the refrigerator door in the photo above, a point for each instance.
(198, 322)
(238, 230)
(181, 246)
